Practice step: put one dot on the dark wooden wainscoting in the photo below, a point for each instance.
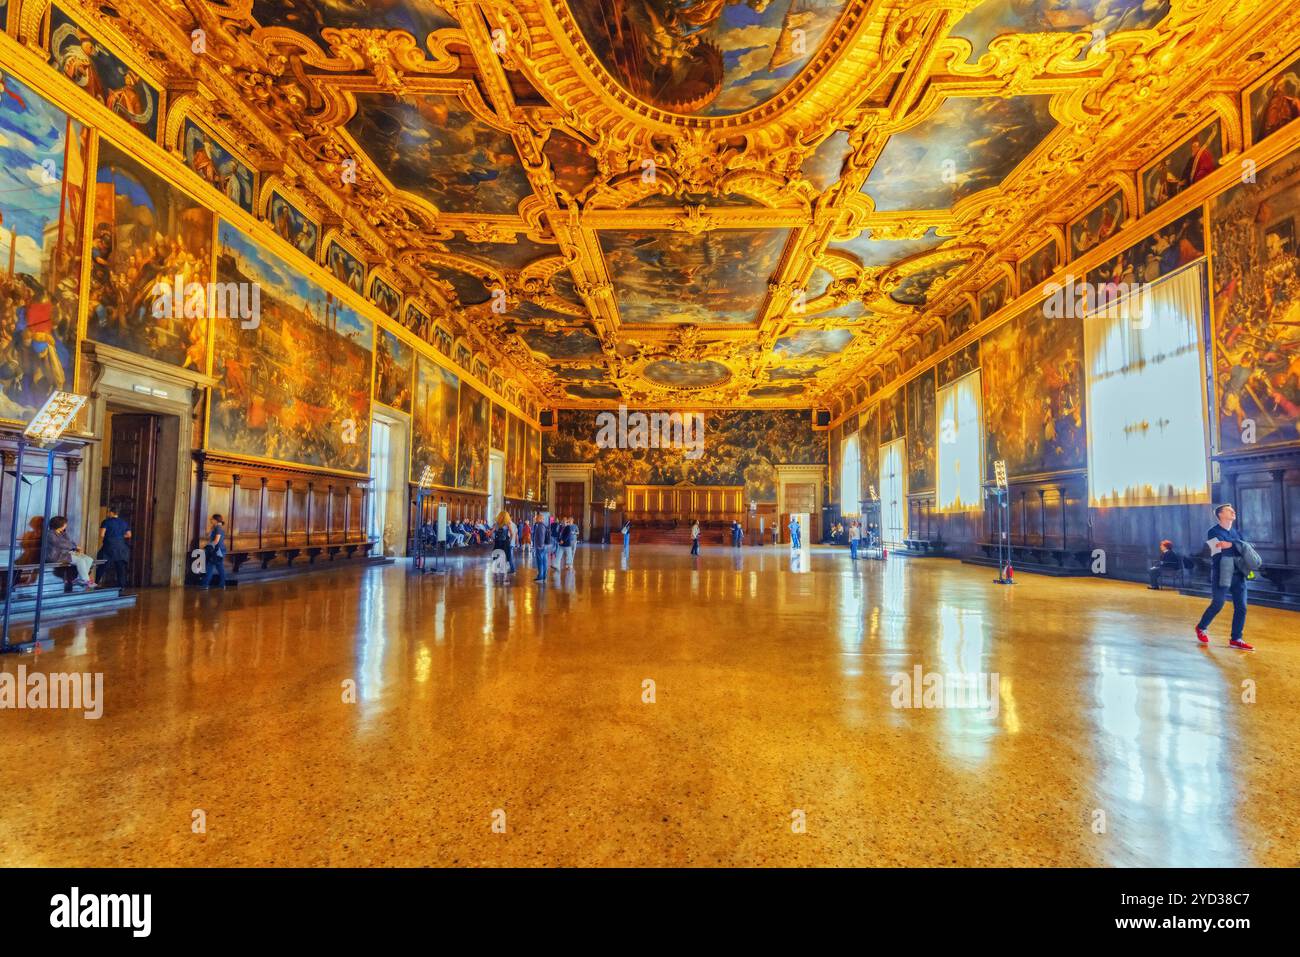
(280, 519)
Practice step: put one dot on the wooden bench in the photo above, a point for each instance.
(25, 574)
(254, 560)
(926, 546)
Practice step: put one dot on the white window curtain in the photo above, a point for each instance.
(893, 492)
(381, 480)
(1147, 438)
(850, 476)
(961, 455)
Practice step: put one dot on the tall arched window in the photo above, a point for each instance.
(850, 472)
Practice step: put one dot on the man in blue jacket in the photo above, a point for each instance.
(541, 541)
(1223, 540)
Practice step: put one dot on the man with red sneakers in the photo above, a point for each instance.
(1223, 541)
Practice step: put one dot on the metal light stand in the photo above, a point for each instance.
(421, 542)
(1004, 523)
(44, 431)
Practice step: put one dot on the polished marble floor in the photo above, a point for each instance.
(507, 724)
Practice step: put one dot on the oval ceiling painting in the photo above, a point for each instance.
(676, 374)
(710, 57)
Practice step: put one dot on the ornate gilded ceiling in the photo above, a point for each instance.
(732, 202)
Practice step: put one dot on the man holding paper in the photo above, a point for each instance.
(1222, 541)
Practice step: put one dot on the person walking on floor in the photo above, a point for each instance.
(525, 539)
(541, 542)
(568, 539)
(795, 543)
(501, 544)
(61, 548)
(627, 535)
(114, 547)
(514, 540)
(1227, 578)
(214, 554)
(854, 532)
(695, 538)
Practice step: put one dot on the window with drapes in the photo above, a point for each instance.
(850, 492)
(893, 491)
(961, 454)
(1146, 411)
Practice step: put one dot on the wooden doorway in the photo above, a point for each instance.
(568, 501)
(801, 497)
(129, 485)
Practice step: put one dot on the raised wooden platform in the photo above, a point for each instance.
(59, 604)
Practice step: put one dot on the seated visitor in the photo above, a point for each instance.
(1169, 561)
(60, 548)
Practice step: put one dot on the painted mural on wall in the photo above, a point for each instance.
(740, 448)
(515, 453)
(1167, 249)
(101, 73)
(434, 416)
(1184, 167)
(346, 268)
(1032, 376)
(499, 426)
(388, 299)
(1098, 224)
(533, 464)
(994, 296)
(293, 226)
(148, 237)
(964, 360)
(472, 439)
(294, 372)
(1275, 104)
(1038, 265)
(961, 321)
(43, 156)
(869, 452)
(394, 368)
(217, 166)
(716, 278)
(893, 420)
(921, 432)
(715, 58)
(1257, 308)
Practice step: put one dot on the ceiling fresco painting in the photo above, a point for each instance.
(719, 278)
(1001, 17)
(967, 145)
(707, 56)
(769, 203)
(435, 148)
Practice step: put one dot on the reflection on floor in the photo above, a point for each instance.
(772, 737)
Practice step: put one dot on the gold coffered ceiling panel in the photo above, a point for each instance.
(719, 202)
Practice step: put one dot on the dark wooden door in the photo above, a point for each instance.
(568, 501)
(131, 485)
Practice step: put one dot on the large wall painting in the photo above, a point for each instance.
(740, 448)
(43, 155)
(472, 439)
(1257, 308)
(921, 432)
(148, 237)
(434, 418)
(294, 371)
(1032, 374)
(394, 368)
